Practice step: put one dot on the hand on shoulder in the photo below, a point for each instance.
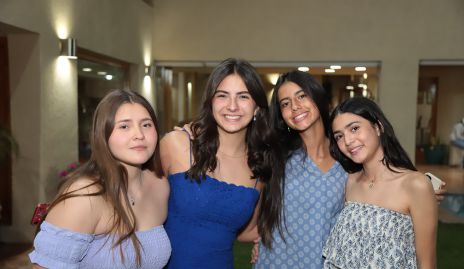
(175, 152)
(80, 213)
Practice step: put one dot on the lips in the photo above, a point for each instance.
(300, 117)
(139, 148)
(232, 117)
(354, 150)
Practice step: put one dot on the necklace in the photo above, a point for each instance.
(130, 197)
(232, 156)
(131, 200)
(371, 184)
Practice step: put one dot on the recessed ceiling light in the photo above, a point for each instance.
(101, 73)
(109, 77)
(365, 75)
(86, 69)
(335, 67)
(329, 70)
(303, 68)
(360, 68)
(349, 87)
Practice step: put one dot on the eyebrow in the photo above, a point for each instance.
(347, 126)
(288, 98)
(223, 91)
(129, 120)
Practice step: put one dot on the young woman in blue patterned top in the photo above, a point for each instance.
(314, 183)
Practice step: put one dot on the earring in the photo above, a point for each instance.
(254, 118)
(288, 128)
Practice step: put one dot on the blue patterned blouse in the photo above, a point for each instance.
(312, 202)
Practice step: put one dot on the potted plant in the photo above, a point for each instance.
(435, 151)
(8, 145)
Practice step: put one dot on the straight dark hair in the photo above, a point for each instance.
(263, 154)
(107, 173)
(394, 154)
(290, 140)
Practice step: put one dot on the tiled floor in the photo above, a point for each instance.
(14, 256)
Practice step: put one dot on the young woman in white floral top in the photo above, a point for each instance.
(390, 215)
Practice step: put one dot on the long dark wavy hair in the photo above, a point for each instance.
(263, 154)
(289, 139)
(394, 154)
(107, 173)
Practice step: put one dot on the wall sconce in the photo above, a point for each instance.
(149, 70)
(68, 48)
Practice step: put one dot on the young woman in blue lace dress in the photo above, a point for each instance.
(110, 212)
(216, 175)
(390, 215)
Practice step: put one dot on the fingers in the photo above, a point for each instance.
(254, 252)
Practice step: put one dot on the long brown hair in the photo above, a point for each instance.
(107, 173)
(263, 152)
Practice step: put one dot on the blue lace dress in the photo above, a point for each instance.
(204, 219)
(369, 236)
(313, 199)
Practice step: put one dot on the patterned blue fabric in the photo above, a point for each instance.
(59, 248)
(312, 202)
(369, 236)
(204, 219)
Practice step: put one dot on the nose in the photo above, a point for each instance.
(138, 133)
(295, 104)
(348, 139)
(232, 105)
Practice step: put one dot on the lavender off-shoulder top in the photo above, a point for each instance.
(55, 247)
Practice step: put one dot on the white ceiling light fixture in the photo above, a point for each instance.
(108, 77)
(303, 68)
(349, 87)
(87, 69)
(360, 68)
(335, 67)
(329, 70)
(101, 73)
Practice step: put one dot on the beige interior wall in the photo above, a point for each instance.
(44, 86)
(397, 33)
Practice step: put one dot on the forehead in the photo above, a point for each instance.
(288, 89)
(343, 119)
(130, 110)
(232, 83)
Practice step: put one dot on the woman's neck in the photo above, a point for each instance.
(315, 141)
(232, 144)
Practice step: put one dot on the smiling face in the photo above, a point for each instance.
(134, 136)
(357, 138)
(298, 109)
(232, 105)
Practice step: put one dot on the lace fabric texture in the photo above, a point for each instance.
(369, 236)
(204, 219)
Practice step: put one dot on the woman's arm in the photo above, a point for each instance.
(175, 152)
(250, 232)
(424, 213)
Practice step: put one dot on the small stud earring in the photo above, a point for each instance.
(254, 118)
(288, 128)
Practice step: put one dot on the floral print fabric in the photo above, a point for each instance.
(369, 236)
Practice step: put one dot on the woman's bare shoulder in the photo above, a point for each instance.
(82, 209)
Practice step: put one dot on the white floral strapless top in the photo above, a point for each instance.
(369, 236)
